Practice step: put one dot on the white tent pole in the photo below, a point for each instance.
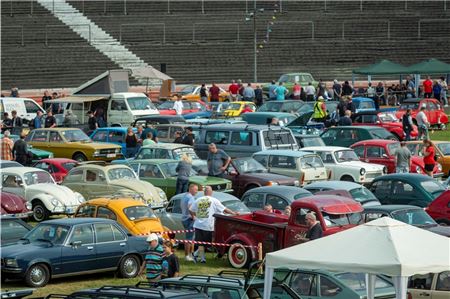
(401, 286)
(268, 278)
(370, 285)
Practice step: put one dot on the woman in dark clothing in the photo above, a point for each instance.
(20, 150)
(184, 171)
(132, 142)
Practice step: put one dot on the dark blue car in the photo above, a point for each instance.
(73, 246)
(115, 135)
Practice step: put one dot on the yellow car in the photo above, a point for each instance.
(192, 93)
(132, 214)
(235, 109)
(73, 143)
(441, 149)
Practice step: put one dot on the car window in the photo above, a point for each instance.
(39, 136)
(261, 159)
(86, 211)
(163, 132)
(103, 212)
(282, 162)
(357, 281)
(369, 216)
(222, 293)
(254, 200)
(118, 235)
(12, 229)
(381, 188)
(93, 175)
(241, 138)
(327, 157)
(118, 105)
(311, 162)
(278, 137)
(161, 153)
(331, 134)
(403, 188)
(55, 137)
(31, 107)
(444, 148)
(375, 152)
(115, 136)
(217, 137)
(300, 217)
(304, 283)
(381, 134)
(433, 187)
(276, 202)
(443, 282)
(104, 233)
(100, 136)
(75, 175)
(149, 170)
(176, 206)
(359, 151)
(328, 288)
(146, 153)
(83, 234)
(421, 281)
(43, 166)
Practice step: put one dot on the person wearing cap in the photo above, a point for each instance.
(154, 259)
(320, 110)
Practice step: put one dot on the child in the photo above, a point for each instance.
(154, 259)
(171, 267)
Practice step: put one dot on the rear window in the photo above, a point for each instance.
(274, 138)
(380, 134)
(69, 165)
(357, 281)
(433, 187)
(311, 162)
(217, 137)
(412, 106)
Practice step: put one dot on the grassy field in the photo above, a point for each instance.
(440, 135)
(70, 284)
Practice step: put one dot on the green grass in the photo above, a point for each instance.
(68, 285)
(440, 135)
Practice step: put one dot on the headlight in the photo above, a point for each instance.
(271, 183)
(162, 194)
(97, 152)
(229, 186)
(28, 205)
(362, 171)
(296, 183)
(418, 170)
(51, 155)
(79, 197)
(11, 262)
(117, 150)
(55, 202)
(439, 166)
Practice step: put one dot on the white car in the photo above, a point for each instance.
(344, 165)
(44, 197)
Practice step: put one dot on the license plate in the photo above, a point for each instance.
(110, 155)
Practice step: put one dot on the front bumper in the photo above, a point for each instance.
(368, 177)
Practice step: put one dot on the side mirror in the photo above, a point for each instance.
(20, 183)
(76, 244)
(385, 156)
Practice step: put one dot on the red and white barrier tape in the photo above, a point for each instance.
(169, 232)
(213, 243)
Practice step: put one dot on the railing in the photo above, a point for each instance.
(122, 26)
(65, 26)
(208, 25)
(5, 28)
(311, 23)
(346, 23)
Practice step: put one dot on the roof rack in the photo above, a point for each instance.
(211, 278)
(146, 284)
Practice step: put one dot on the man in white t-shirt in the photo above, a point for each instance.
(203, 210)
(422, 124)
(178, 106)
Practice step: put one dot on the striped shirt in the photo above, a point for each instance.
(6, 149)
(153, 262)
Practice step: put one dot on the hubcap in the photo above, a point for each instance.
(37, 275)
(130, 266)
(38, 213)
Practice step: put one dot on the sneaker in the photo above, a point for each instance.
(203, 261)
(189, 258)
(194, 258)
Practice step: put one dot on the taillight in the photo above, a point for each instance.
(302, 179)
(409, 295)
(329, 175)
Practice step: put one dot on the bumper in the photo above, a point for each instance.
(107, 157)
(21, 215)
(9, 272)
(369, 177)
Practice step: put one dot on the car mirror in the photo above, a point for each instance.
(75, 244)
(20, 183)
(385, 156)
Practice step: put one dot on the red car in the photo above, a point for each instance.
(57, 167)
(166, 108)
(434, 111)
(384, 120)
(381, 151)
(12, 204)
(439, 209)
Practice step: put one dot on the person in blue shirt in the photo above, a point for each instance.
(281, 92)
(37, 121)
(154, 259)
(272, 93)
(188, 220)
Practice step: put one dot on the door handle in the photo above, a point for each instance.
(123, 244)
(90, 247)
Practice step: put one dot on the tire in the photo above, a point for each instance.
(79, 157)
(129, 266)
(37, 276)
(347, 178)
(238, 256)
(40, 212)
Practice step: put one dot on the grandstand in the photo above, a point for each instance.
(212, 41)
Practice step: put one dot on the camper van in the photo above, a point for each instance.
(26, 108)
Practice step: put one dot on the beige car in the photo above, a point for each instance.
(431, 285)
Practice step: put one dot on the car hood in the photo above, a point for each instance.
(22, 249)
(439, 229)
(267, 176)
(62, 193)
(147, 226)
(150, 193)
(208, 180)
(366, 166)
(96, 145)
(12, 203)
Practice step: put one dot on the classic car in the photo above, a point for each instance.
(384, 120)
(72, 144)
(14, 205)
(158, 119)
(306, 167)
(235, 108)
(407, 188)
(37, 154)
(264, 118)
(381, 152)
(6, 164)
(192, 93)
(73, 246)
(277, 196)
(162, 173)
(203, 112)
(303, 79)
(305, 120)
(166, 132)
(363, 104)
(137, 217)
(113, 180)
(38, 188)
(346, 136)
(434, 111)
(171, 215)
(411, 215)
(431, 285)
(247, 173)
(13, 229)
(343, 164)
(439, 209)
(166, 108)
(356, 191)
(442, 151)
(114, 135)
(286, 106)
(57, 167)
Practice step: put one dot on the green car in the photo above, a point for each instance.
(38, 154)
(162, 173)
(289, 79)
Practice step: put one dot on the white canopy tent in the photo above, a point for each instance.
(383, 246)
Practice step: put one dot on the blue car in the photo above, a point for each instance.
(363, 104)
(115, 135)
(73, 246)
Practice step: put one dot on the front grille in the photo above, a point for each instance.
(108, 151)
(220, 187)
(372, 175)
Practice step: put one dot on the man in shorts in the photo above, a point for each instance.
(188, 220)
(203, 210)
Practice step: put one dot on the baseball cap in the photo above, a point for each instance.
(152, 237)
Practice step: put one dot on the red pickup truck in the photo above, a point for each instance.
(277, 231)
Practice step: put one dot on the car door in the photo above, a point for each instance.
(405, 194)
(56, 144)
(171, 215)
(419, 286)
(254, 201)
(285, 165)
(117, 137)
(297, 228)
(382, 191)
(13, 184)
(441, 286)
(329, 137)
(333, 169)
(433, 112)
(117, 111)
(40, 140)
(377, 154)
(304, 284)
(111, 245)
(95, 183)
(79, 253)
(151, 173)
(360, 152)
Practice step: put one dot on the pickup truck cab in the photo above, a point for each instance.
(277, 231)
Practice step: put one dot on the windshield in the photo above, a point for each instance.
(444, 148)
(392, 147)
(275, 138)
(362, 194)
(68, 165)
(75, 135)
(139, 212)
(412, 106)
(121, 173)
(314, 141)
(237, 206)
(38, 177)
(187, 90)
(387, 117)
(307, 107)
(341, 219)
(169, 169)
(166, 105)
(381, 134)
(357, 281)
(249, 165)
(311, 162)
(346, 155)
(417, 217)
(433, 187)
(140, 103)
(177, 153)
(271, 107)
(234, 106)
(53, 233)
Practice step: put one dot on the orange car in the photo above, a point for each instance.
(132, 214)
(441, 148)
(192, 93)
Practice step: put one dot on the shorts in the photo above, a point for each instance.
(429, 167)
(188, 224)
(203, 235)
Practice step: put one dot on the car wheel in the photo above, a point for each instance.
(79, 157)
(239, 256)
(37, 276)
(40, 212)
(129, 266)
(347, 178)
(442, 126)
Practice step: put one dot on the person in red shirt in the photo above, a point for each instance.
(214, 92)
(428, 87)
(233, 89)
(428, 157)
(246, 109)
